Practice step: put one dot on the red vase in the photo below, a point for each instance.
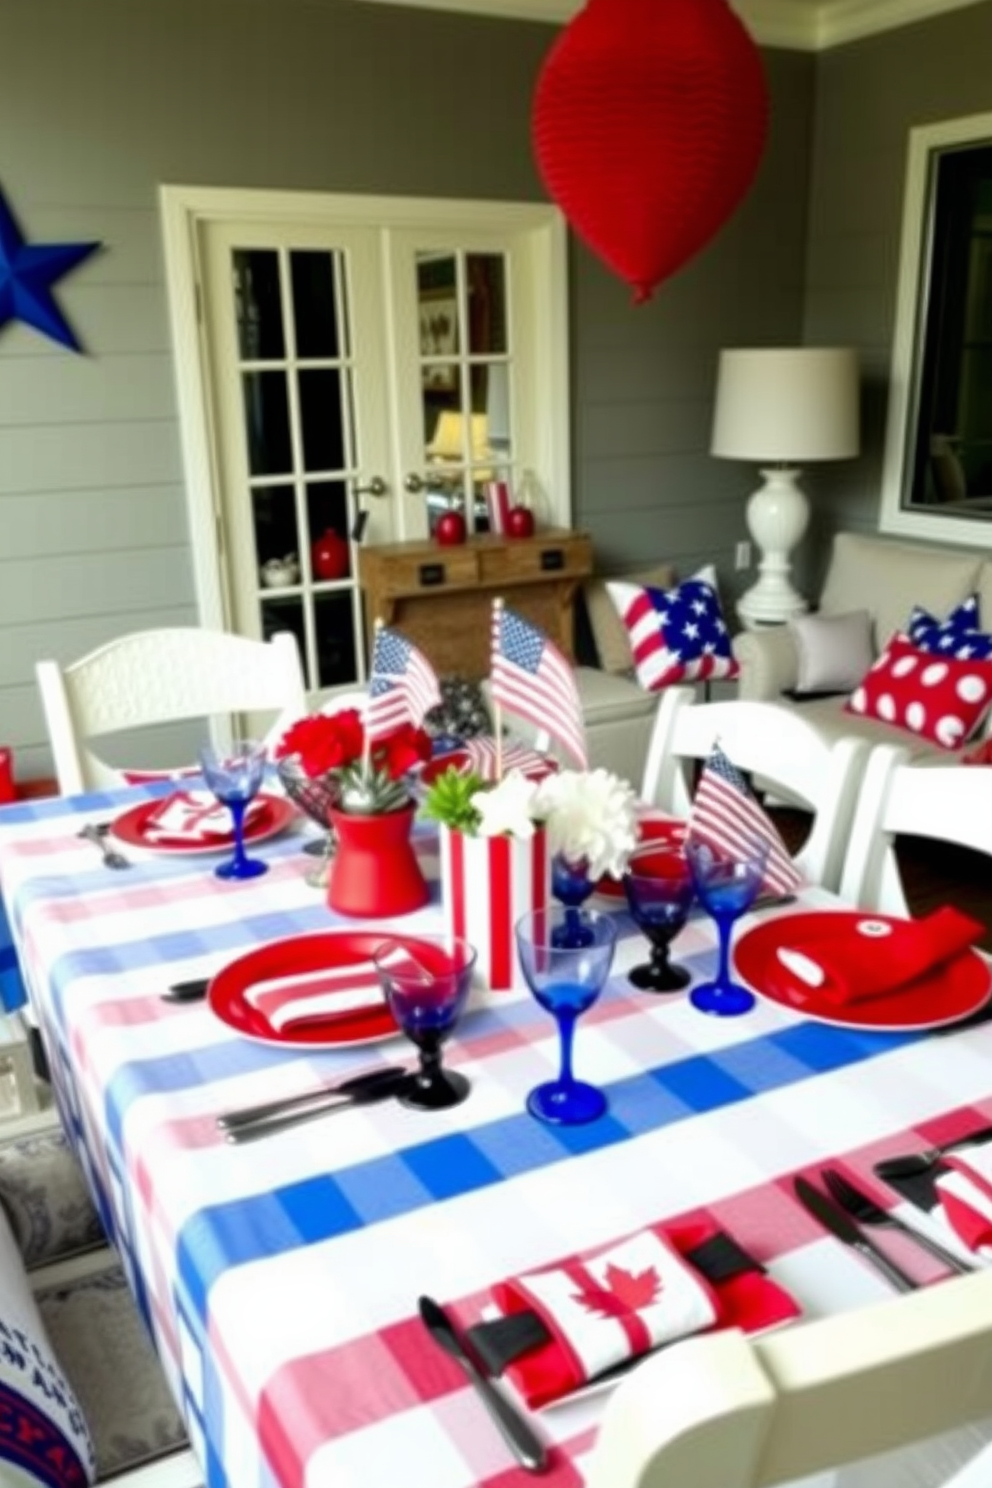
(374, 872)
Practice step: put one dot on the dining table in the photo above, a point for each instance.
(280, 1277)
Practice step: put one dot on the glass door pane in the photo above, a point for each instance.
(294, 462)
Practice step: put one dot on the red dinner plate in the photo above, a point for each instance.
(230, 994)
(944, 996)
(653, 826)
(275, 816)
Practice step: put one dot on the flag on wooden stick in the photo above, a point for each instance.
(403, 686)
(531, 678)
(726, 815)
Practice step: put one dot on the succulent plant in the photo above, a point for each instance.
(449, 800)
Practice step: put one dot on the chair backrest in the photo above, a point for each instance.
(786, 754)
(727, 1411)
(162, 676)
(947, 803)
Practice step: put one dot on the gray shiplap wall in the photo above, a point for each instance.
(868, 97)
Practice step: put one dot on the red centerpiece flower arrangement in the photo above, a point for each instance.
(359, 789)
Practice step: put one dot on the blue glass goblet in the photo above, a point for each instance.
(565, 981)
(425, 985)
(234, 773)
(726, 882)
(571, 885)
(659, 889)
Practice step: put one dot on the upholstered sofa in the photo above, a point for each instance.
(888, 579)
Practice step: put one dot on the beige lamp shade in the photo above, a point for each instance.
(786, 405)
(449, 437)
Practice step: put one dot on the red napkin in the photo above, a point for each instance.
(965, 1194)
(620, 1300)
(868, 957)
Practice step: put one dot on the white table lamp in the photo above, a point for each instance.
(783, 408)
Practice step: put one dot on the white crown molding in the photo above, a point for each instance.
(797, 25)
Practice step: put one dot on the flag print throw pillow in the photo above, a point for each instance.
(959, 635)
(937, 697)
(676, 635)
(44, 1438)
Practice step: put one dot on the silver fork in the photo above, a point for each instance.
(863, 1210)
(98, 836)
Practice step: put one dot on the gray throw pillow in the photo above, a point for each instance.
(834, 651)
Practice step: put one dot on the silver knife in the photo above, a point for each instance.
(843, 1228)
(517, 1432)
(249, 1115)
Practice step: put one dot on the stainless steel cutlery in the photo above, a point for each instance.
(516, 1430)
(97, 834)
(275, 1116)
(915, 1163)
(191, 991)
(864, 1211)
(842, 1226)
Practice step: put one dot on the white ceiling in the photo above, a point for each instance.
(805, 25)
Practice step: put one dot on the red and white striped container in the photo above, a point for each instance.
(487, 883)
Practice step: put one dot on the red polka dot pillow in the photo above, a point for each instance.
(937, 697)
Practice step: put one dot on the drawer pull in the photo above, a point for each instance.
(552, 560)
(429, 575)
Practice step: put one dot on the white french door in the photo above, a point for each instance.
(351, 368)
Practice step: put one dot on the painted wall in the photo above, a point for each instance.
(868, 96)
(100, 104)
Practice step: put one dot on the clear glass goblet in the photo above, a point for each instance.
(565, 981)
(727, 882)
(571, 886)
(234, 773)
(425, 985)
(659, 889)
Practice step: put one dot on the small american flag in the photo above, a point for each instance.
(403, 687)
(531, 678)
(726, 815)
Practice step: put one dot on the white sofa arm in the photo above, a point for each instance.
(768, 661)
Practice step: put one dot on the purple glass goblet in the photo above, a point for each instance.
(426, 983)
(659, 889)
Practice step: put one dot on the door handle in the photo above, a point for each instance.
(375, 487)
(414, 484)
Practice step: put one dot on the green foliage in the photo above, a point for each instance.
(371, 796)
(449, 800)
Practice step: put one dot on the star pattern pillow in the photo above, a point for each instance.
(940, 698)
(960, 635)
(676, 635)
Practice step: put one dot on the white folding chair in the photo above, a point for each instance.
(728, 1411)
(787, 753)
(162, 676)
(947, 803)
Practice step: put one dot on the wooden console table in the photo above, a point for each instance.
(441, 598)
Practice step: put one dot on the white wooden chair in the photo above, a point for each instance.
(727, 1411)
(947, 803)
(787, 754)
(162, 676)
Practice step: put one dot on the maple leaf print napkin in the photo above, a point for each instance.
(619, 1301)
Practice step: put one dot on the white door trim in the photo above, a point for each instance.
(186, 208)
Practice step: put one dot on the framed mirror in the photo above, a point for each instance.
(937, 480)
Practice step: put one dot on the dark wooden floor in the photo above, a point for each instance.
(933, 873)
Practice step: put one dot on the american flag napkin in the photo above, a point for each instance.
(194, 817)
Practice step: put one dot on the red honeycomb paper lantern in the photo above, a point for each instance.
(649, 123)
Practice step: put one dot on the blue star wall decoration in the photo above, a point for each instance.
(27, 274)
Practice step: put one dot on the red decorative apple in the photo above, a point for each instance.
(450, 529)
(330, 557)
(520, 522)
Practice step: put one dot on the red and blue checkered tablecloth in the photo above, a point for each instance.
(280, 1278)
